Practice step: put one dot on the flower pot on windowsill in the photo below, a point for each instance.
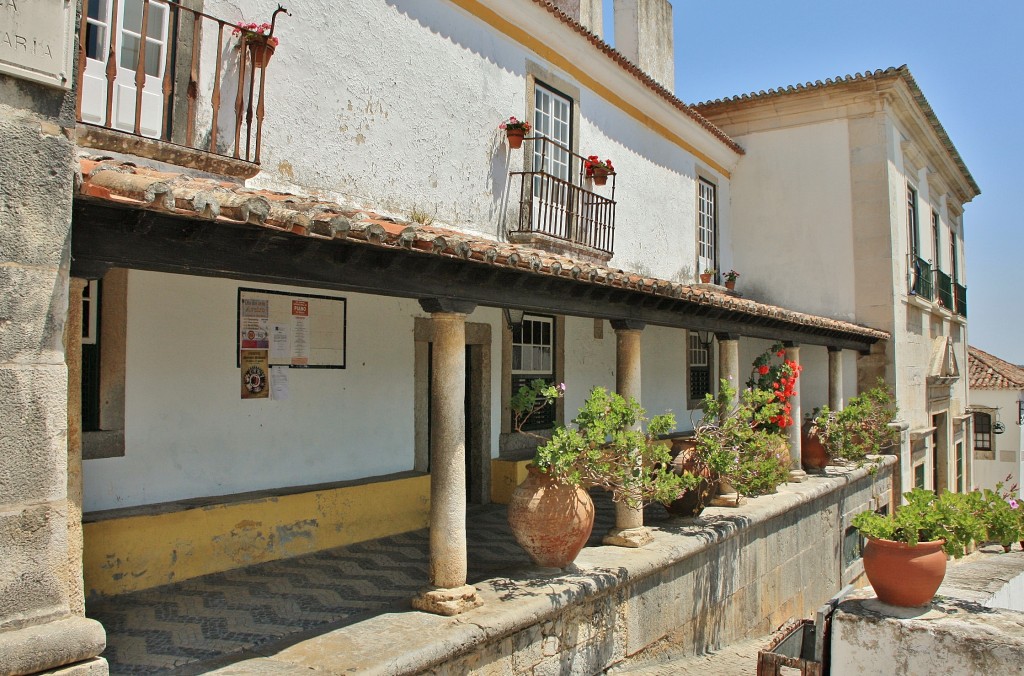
(515, 138)
(705, 278)
(730, 285)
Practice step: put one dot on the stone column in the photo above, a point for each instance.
(729, 362)
(629, 528)
(835, 378)
(796, 471)
(448, 593)
(73, 357)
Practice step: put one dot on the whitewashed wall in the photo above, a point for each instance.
(1007, 446)
(394, 105)
(187, 431)
(792, 219)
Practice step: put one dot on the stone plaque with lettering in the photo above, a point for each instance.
(36, 40)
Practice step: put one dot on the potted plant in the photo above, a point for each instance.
(738, 444)
(857, 431)
(607, 447)
(730, 279)
(598, 169)
(707, 275)
(259, 39)
(515, 131)
(905, 554)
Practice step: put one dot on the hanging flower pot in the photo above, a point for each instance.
(261, 52)
(600, 176)
(515, 131)
(597, 169)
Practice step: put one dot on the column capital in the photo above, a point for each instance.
(433, 305)
(723, 335)
(834, 348)
(790, 344)
(628, 325)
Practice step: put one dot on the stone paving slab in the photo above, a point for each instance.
(738, 659)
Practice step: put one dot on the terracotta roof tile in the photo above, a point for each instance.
(201, 198)
(988, 372)
(902, 72)
(639, 74)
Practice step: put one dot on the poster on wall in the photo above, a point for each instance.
(294, 329)
(255, 372)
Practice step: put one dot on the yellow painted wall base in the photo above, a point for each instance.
(505, 476)
(138, 552)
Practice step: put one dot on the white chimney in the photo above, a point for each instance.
(643, 34)
(589, 13)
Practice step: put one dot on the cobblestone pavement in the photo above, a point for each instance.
(738, 659)
(175, 628)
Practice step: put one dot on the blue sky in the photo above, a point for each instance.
(967, 58)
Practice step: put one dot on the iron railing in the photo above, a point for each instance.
(920, 277)
(960, 293)
(158, 47)
(944, 290)
(553, 204)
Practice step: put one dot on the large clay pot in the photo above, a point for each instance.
(902, 575)
(812, 452)
(550, 520)
(692, 502)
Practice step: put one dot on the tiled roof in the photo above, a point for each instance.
(877, 75)
(123, 183)
(639, 74)
(988, 372)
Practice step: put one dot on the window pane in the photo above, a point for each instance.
(96, 42)
(157, 17)
(517, 357)
(154, 58)
(133, 16)
(129, 51)
(98, 10)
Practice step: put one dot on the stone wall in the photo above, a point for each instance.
(41, 606)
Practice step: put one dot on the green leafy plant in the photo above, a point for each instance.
(860, 429)
(732, 276)
(737, 443)
(608, 446)
(957, 518)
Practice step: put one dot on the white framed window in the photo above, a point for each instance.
(533, 357)
(699, 362)
(936, 239)
(552, 118)
(983, 431)
(912, 224)
(707, 226)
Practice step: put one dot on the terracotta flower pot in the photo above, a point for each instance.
(812, 452)
(730, 285)
(692, 502)
(515, 138)
(705, 278)
(599, 174)
(550, 520)
(261, 53)
(902, 575)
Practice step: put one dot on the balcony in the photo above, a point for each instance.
(960, 294)
(944, 290)
(143, 91)
(559, 205)
(920, 277)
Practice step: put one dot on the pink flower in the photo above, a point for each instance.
(1014, 504)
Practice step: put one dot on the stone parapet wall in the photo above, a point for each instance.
(702, 583)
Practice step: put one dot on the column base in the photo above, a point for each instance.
(442, 601)
(629, 537)
(797, 476)
(727, 500)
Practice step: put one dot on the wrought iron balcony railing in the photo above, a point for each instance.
(558, 198)
(139, 72)
(944, 290)
(920, 277)
(960, 293)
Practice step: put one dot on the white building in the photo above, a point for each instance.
(997, 402)
(849, 202)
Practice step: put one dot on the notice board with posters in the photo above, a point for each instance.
(294, 329)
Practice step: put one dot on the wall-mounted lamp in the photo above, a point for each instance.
(704, 337)
(513, 317)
